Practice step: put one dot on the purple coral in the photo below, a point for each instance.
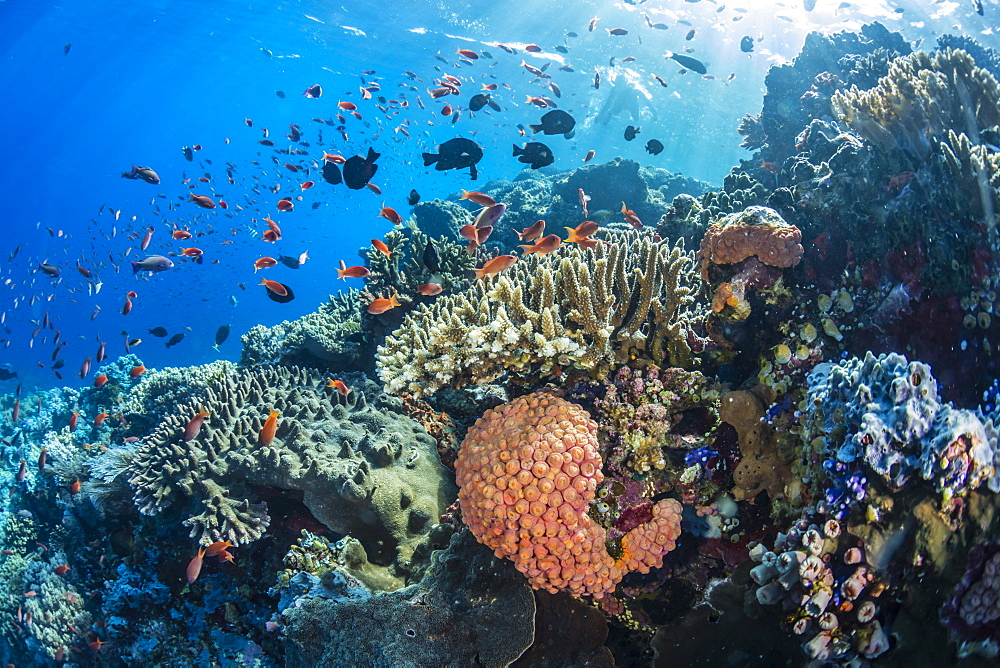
(973, 611)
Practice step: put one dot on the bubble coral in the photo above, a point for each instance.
(528, 471)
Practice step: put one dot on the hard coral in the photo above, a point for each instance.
(756, 231)
(528, 471)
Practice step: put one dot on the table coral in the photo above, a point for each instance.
(527, 473)
(582, 309)
(363, 468)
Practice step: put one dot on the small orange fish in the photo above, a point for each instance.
(75, 488)
(192, 428)
(191, 252)
(381, 305)
(533, 232)
(264, 263)
(496, 265)
(468, 53)
(204, 201)
(95, 646)
(468, 232)
(73, 420)
(137, 371)
(335, 158)
(217, 547)
(446, 110)
(374, 188)
(490, 86)
(581, 231)
(194, 566)
(270, 426)
(338, 385)
(347, 106)
(631, 218)
(99, 419)
(100, 380)
(357, 271)
(770, 166)
(482, 199)
(390, 214)
(127, 306)
(275, 287)
(285, 205)
(307, 185)
(430, 289)
(62, 569)
(544, 246)
(587, 244)
(590, 155)
(271, 236)
(380, 246)
(181, 234)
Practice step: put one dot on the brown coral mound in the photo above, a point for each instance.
(762, 467)
(755, 232)
(528, 471)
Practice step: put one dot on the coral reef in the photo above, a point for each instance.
(762, 466)
(974, 607)
(468, 609)
(330, 337)
(361, 466)
(574, 309)
(527, 472)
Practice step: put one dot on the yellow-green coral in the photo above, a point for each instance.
(586, 309)
(920, 98)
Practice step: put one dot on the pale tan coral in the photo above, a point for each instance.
(922, 97)
(585, 309)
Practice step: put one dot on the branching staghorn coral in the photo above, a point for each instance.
(921, 98)
(589, 310)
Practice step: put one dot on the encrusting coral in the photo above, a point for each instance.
(329, 336)
(363, 468)
(584, 309)
(528, 471)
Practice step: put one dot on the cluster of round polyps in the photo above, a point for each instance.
(830, 593)
(974, 608)
(527, 472)
(757, 232)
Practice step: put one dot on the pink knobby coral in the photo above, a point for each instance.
(756, 232)
(527, 472)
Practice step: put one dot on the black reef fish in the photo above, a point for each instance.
(631, 131)
(654, 146)
(359, 171)
(221, 334)
(431, 259)
(455, 154)
(159, 332)
(413, 198)
(687, 61)
(555, 122)
(281, 299)
(331, 173)
(188, 153)
(534, 154)
(478, 101)
(175, 339)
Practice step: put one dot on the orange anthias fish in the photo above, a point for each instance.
(275, 287)
(272, 227)
(285, 205)
(181, 234)
(381, 305)
(192, 252)
(307, 185)
(338, 385)
(544, 246)
(390, 214)
(99, 419)
(430, 289)
(192, 428)
(137, 371)
(204, 201)
(380, 246)
(581, 231)
(194, 566)
(334, 158)
(357, 271)
(62, 570)
(264, 263)
(631, 218)
(533, 232)
(217, 547)
(496, 265)
(101, 380)
(482, 199)
(270, 426)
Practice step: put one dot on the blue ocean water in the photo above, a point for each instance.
(139, 82)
